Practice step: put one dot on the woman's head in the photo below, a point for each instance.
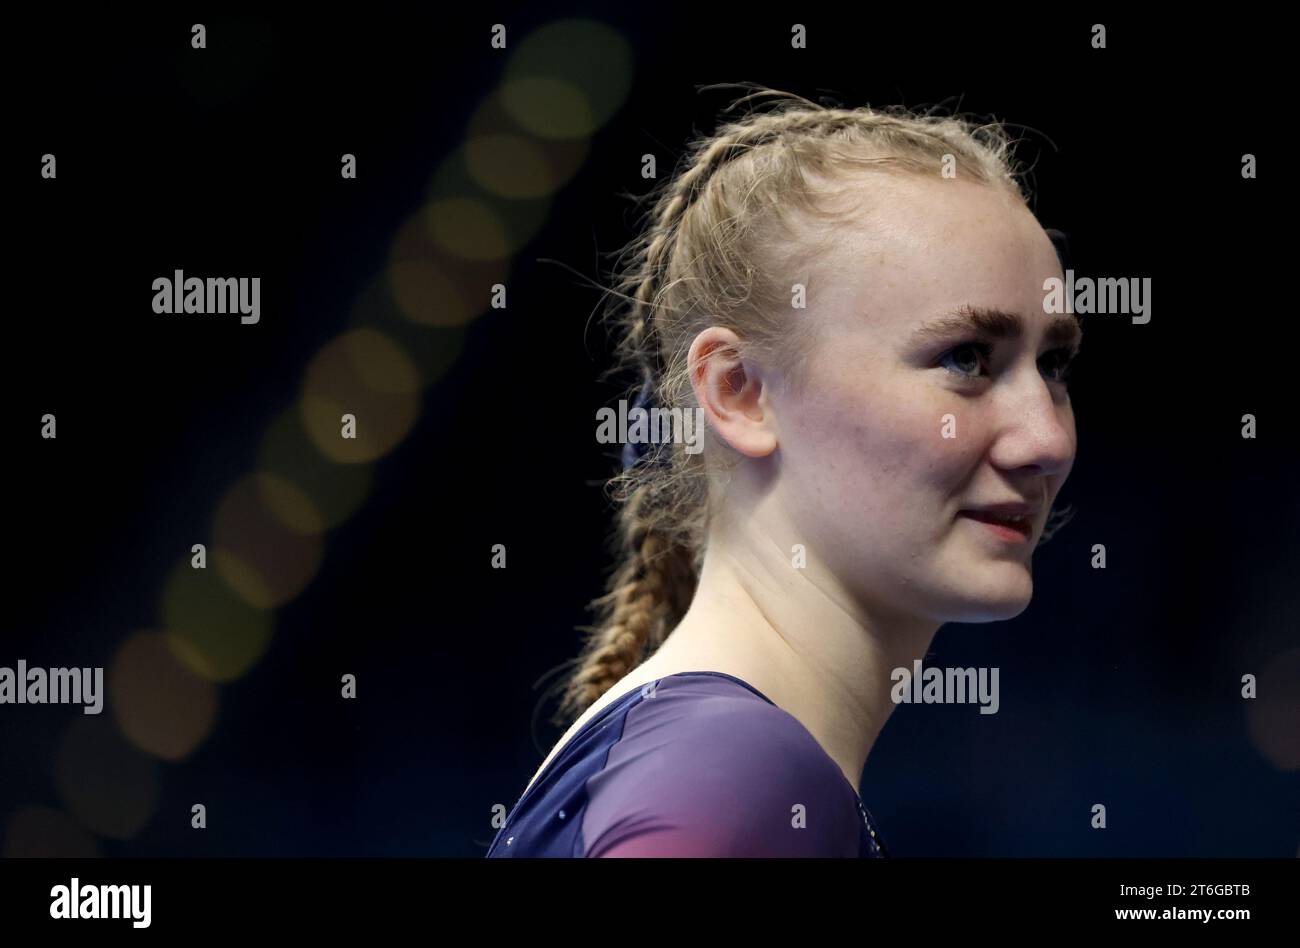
(854, 300)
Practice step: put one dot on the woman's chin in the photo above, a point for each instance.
(999, 597)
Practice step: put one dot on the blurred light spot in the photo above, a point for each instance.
(433, 350)
(41, 832)
(509, 166)
(569, 77)
(290, 504)
(467, 228)
(489, 138)
(426, 294)
(106, 783)
(432, 288)
(339, 380)
(161, 706)
(215, 634)
(335, 491)
(1274, 714)
(381, 363)
(260, 558)
(548, 108)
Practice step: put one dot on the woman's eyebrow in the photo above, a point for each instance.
(997, 323)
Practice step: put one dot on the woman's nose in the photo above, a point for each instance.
(1036, 428)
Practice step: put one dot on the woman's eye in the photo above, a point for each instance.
(1056, 364)
(966, 360)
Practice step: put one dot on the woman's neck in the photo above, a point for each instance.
(786, 632)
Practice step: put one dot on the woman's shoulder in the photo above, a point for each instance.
(706, 765)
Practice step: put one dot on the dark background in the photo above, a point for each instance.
(1119, 686)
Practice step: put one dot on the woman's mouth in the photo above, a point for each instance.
(1014, 528)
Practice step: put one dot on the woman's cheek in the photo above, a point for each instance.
(938, 427)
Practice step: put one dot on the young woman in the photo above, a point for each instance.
(854, 301)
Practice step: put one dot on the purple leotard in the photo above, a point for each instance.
(691, 764)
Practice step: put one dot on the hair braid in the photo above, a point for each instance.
(652, 587)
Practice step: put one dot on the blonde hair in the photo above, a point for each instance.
(718, 249)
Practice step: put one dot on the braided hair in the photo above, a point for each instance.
(721, 246)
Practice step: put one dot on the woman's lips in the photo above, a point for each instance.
(1013, 529)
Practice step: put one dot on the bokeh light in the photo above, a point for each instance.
(568, 78)
(345, 377)
(509, 166)
(108, 785)
(432, 288)
(468, 228)
(518, 219)
(335, 491)
(562, 158)
(290, 504)
(215, 634)
(484, 202)
(433, 349)
(262, 559)
(161, 706)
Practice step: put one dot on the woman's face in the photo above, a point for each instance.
(934, 403)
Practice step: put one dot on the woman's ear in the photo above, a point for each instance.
(731, 392)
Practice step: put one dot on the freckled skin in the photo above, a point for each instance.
(864, 470)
